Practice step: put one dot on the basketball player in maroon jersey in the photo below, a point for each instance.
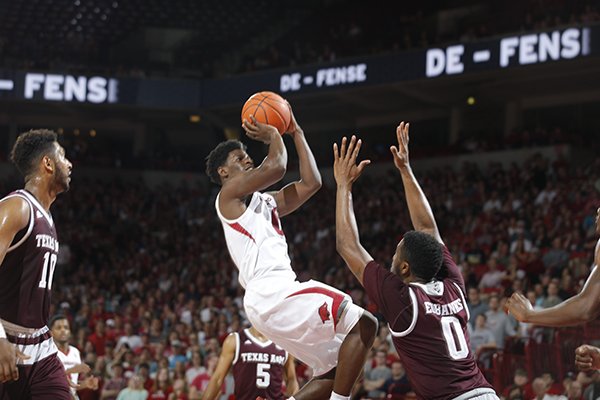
(583, 307)
(29, 365)
(423, 295)
(259, 366)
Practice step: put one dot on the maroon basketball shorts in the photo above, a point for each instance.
(43, 380)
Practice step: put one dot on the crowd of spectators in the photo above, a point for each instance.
(357, 28)
(324, 32)
(146, 282)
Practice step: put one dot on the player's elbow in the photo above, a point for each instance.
(589, 312)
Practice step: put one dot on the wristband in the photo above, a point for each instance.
(2, 332)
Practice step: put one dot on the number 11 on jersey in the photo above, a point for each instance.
(48, 270)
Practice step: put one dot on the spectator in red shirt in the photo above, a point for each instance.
(98, 338)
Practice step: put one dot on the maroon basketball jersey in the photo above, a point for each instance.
(257, 368)
(28, 268)
(429, 330)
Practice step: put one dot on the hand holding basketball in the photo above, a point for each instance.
(258, 131)
(269, 108)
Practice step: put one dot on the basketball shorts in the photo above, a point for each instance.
(478, 394)
(308, 319)
(44, 380)
(41, 376)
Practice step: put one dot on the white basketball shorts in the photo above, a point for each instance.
(308, 319)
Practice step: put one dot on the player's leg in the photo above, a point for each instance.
(351, 358)
(48, 380)
(353, 354)
(318, 388)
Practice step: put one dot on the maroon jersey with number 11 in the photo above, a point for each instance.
(27, 271)
(429, 330)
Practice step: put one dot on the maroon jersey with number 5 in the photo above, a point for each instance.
(28, 268)
(258, 368)
(429, 330)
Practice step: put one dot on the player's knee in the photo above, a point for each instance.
(368, 326)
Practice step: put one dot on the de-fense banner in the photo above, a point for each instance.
(522, 50)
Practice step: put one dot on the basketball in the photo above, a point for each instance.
(268, 108)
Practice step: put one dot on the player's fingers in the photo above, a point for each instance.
(14, 372)
(584, 366)
(343, 148)
(407, 128)
(356, 150)
(362, 165)
(23, 356)
(581, 350)
(399, 132)
(4, 372)
(350, 150)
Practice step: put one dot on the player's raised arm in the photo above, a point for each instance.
(297, 193)
(291, 381)
(418, 205)
(583, 307)
(213, 390)
(270, 171)
(346, 231)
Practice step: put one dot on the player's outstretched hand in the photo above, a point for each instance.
(8, 361)
(258, 131)
(400, 153)
(587, 357)
(345, 170)
(519, 307)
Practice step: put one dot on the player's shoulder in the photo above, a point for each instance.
(16, 206)
(75, 351)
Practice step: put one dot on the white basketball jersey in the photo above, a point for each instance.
(256, 242)
(69, 360)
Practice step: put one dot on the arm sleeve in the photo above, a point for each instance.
(390, 294)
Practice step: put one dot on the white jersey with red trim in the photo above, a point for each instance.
(256, 241)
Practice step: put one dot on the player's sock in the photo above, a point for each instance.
(335, 396)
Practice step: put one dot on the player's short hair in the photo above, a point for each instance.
(30, 147)
(219, 155)
(55, 318)
(423, 253)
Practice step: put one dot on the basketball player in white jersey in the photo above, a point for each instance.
(316, 323)
(70, 356)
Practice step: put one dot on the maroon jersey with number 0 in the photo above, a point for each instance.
(429, 330)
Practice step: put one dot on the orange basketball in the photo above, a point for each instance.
(268, 108)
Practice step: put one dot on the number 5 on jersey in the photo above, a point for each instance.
(48, 270)
(263, 379)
